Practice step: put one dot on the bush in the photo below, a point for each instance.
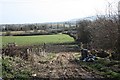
(83, 33)
(7, 71)
(10, 71)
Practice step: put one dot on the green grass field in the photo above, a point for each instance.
(29, 40)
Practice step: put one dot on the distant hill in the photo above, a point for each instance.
(84, 18)
(72, 21)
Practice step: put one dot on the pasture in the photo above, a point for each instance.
(39, 39)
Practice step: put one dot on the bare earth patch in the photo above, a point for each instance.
(62, 65)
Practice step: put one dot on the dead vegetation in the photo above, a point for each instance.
(61, 65)
(39, 63)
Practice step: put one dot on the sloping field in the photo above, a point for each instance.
(28, 40)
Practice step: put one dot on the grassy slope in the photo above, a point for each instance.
(27, 40)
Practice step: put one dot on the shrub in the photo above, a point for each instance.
(83, 33)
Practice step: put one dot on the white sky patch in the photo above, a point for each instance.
(35, 11)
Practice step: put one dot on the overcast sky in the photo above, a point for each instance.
(38, 11)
